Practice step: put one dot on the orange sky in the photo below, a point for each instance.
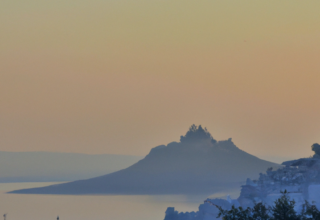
(123, 76)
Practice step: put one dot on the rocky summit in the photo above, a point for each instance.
(197, 164)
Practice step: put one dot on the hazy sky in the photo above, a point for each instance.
(122, 76)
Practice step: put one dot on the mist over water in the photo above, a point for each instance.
(113, 207)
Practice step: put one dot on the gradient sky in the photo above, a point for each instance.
(123, 76)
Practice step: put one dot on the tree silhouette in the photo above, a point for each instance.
(283, 209)
(195, 133)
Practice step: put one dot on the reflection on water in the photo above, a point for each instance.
(106, 207)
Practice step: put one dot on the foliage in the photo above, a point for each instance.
(260, 212)
(195, 133)
(309, 212)
(235, 213)
(283, 209)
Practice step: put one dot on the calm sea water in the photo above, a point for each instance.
(106, 207)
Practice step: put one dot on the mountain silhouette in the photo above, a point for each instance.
(196, 164)
(59, 167)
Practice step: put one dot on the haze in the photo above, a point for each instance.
(121, 77)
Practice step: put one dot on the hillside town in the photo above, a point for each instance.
(300, 178)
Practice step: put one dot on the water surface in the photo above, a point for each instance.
(106, 207)
(93, 207)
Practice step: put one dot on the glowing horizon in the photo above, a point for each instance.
(122, 77)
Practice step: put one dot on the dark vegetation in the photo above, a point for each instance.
(283, 209)
(197, 133)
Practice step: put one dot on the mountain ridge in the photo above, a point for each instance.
(41, 166)
(196, 164)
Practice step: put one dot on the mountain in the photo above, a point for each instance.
(53, 167)
(196, 164)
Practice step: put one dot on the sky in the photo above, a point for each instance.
(123, 76)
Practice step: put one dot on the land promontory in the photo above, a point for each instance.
(196, 164)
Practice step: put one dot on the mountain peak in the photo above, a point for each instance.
(195, 165)
(197, 133)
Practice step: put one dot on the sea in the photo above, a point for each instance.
(93, 207)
